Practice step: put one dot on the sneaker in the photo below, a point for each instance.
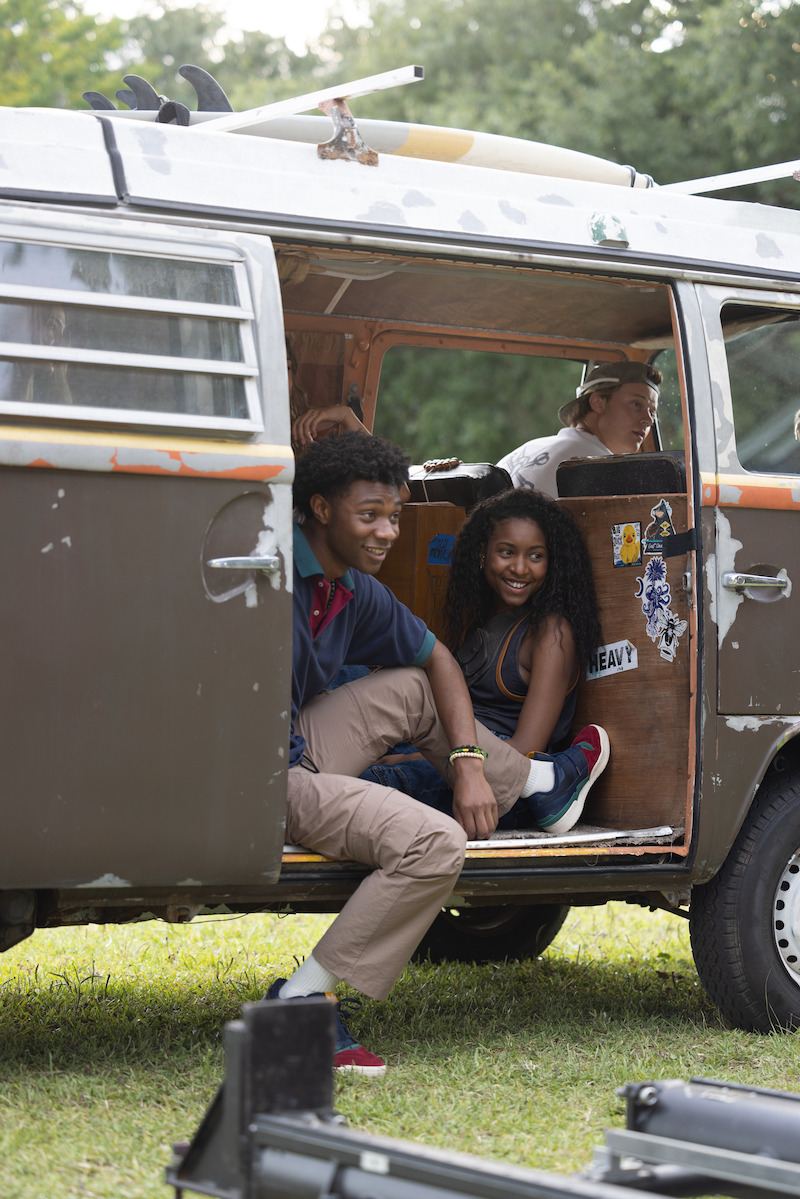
(347, 1053)
(576, 769)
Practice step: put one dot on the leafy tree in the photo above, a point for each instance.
(682, 89)
(252, 68)
(51, 52)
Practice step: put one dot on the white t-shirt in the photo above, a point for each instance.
(534, 464)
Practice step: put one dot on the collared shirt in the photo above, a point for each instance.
(365, 624)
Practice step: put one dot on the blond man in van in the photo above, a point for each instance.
(612, 413)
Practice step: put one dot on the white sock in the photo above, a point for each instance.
(309, 979)
(542, 777)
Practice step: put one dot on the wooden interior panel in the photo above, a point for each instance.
(646, 710)
(417, 568)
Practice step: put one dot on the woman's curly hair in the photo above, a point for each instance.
(568, 588)
(329, 466)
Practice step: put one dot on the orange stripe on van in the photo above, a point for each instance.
(750, 491)
(131, 453)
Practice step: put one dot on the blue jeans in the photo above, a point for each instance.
(423, 782)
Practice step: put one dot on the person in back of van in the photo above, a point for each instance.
(318, 422)
(347, 495)
(612, 413)
(521, 619)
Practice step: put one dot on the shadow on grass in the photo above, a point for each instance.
(89, 1021)
(84, 1022)
(458, 1003)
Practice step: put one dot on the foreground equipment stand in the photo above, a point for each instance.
(271, 1133)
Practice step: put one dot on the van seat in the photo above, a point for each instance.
(463, 484)
(622, 474)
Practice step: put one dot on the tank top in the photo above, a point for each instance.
(489, 660)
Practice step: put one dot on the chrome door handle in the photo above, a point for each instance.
(734, 581)
(256, 562)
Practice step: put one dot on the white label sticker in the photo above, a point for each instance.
(611, 659)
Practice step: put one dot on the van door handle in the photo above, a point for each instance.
(734, 581)
(256, 562)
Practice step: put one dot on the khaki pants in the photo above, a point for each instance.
(416, 853)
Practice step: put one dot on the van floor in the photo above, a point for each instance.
(536, 839)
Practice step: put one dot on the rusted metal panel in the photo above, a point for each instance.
(146, 699)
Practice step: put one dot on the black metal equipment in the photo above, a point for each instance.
(271, 1133)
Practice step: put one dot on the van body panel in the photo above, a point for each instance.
(122, 674)
(276, 180)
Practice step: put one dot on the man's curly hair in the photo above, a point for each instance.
(328, 467)
(568, 587)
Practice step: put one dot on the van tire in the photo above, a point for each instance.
(511, 932)
(743, 948)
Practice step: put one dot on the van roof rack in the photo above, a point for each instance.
(715, 183)
(282, 120)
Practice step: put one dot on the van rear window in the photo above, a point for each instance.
(139, 338)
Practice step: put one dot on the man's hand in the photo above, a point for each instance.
(474, 804)
(315, 421)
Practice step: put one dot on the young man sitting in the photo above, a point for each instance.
(347, 494)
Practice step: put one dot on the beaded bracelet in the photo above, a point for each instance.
(467, 751)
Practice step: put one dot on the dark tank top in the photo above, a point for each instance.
(489, 659)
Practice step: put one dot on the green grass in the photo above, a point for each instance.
(112, 1044)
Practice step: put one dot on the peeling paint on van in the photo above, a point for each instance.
(133, 454)
(417, 199)
(729, 494)
(107, 880)
(723, 603)
(513, 214)
(751, 724)
(766, 247)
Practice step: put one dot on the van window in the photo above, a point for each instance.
(670, 410)
(471, 404)
(109, 334)
(763, 352)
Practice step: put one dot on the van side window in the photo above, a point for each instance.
(762, 346)
(474, 404)
(670, 411)
(110, 334)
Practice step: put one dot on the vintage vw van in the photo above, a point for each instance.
(153, 275)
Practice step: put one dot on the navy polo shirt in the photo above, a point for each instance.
(370, 627)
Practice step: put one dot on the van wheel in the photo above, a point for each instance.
(745, 923)
(481, 934)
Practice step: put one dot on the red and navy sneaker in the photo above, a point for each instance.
(576, 769)
(347, 1053)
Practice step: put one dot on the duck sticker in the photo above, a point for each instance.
(626, 541)
(663, 626)
(659, 529)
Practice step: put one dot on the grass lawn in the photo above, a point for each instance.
(112, 1044)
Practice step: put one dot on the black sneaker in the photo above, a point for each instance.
(347, 1054)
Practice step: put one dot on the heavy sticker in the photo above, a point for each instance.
(612, 659)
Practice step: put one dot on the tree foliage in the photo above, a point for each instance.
(51, 52)
(679, 90)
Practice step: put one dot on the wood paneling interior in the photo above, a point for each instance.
(645, 711)
(416, 570)
(478, 296)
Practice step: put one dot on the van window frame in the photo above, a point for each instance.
(245, 368)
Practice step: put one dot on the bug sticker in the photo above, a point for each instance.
(663, 626)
